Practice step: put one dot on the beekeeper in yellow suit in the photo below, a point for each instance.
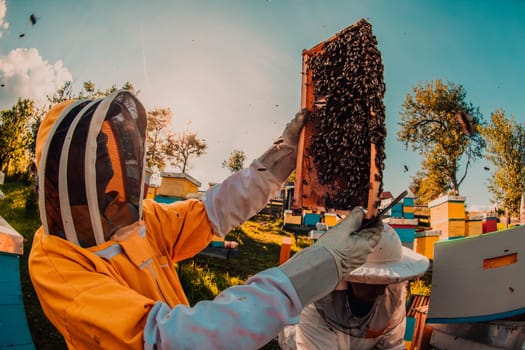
(102, 263)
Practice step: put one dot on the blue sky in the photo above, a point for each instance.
(231, 70)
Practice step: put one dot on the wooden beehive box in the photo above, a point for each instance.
(14, 329)
(341, 149)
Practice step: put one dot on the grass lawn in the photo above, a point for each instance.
(202, 277)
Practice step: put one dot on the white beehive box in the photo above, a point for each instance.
(478, 278)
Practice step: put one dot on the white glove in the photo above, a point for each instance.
(280, 159)
(349, 245)
(316, 270)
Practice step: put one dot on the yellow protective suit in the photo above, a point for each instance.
(103, 262)
(80, 288)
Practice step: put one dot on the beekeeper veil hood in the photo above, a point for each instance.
(90, 160)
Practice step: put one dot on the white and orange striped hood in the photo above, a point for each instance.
(90, 161)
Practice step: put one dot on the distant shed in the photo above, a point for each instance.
(177, 185)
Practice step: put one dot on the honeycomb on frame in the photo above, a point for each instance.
(342, 147)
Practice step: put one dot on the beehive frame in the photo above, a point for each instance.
(310, 192)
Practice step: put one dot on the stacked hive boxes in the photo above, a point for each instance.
(474, 225)
(295, 220)
(424, 242)
(403, 222)
(447, 214)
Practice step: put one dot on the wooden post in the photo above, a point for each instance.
(285, 249)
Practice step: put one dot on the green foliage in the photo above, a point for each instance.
(419, 287)
(179, 148)
(429, 124)
(16, 137)
(506, 151)
(235, 162)
(63, 93)
(90, 92)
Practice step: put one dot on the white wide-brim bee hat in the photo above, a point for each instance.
(389, 262)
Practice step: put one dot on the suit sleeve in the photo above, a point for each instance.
(182, 229)
(239, 197)
(241, 317)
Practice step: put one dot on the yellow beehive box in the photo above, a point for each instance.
(500, 226)
(330, 219)
(291, 219)
(152, 191)
(177, 185)
(450, 228)
(452, 207)
(456, 228)
(424, 242)
(447, 214)
(473, 227)
(408, 209)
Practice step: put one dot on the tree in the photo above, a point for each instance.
(16, 137)
(181, 147)
(156, 136)
(235, 162)
(90, 92)
(506, 151)
(427, 184)
(430, 124)
(63, 93)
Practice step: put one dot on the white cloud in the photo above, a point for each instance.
(26, 74)
(3, 10)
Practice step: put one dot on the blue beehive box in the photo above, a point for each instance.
(14, 330)
(406, 235)
(408, 201)
(311, 219)
(408, 215)
(397, 210)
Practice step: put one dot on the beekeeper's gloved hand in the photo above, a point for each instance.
(316, 270)
(280, 159)
(351, 250)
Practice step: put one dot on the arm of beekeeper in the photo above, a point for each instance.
(241, 317)
(93, 307)
(249, 316)
(392, 339)
(246, 192)
(181, 228)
